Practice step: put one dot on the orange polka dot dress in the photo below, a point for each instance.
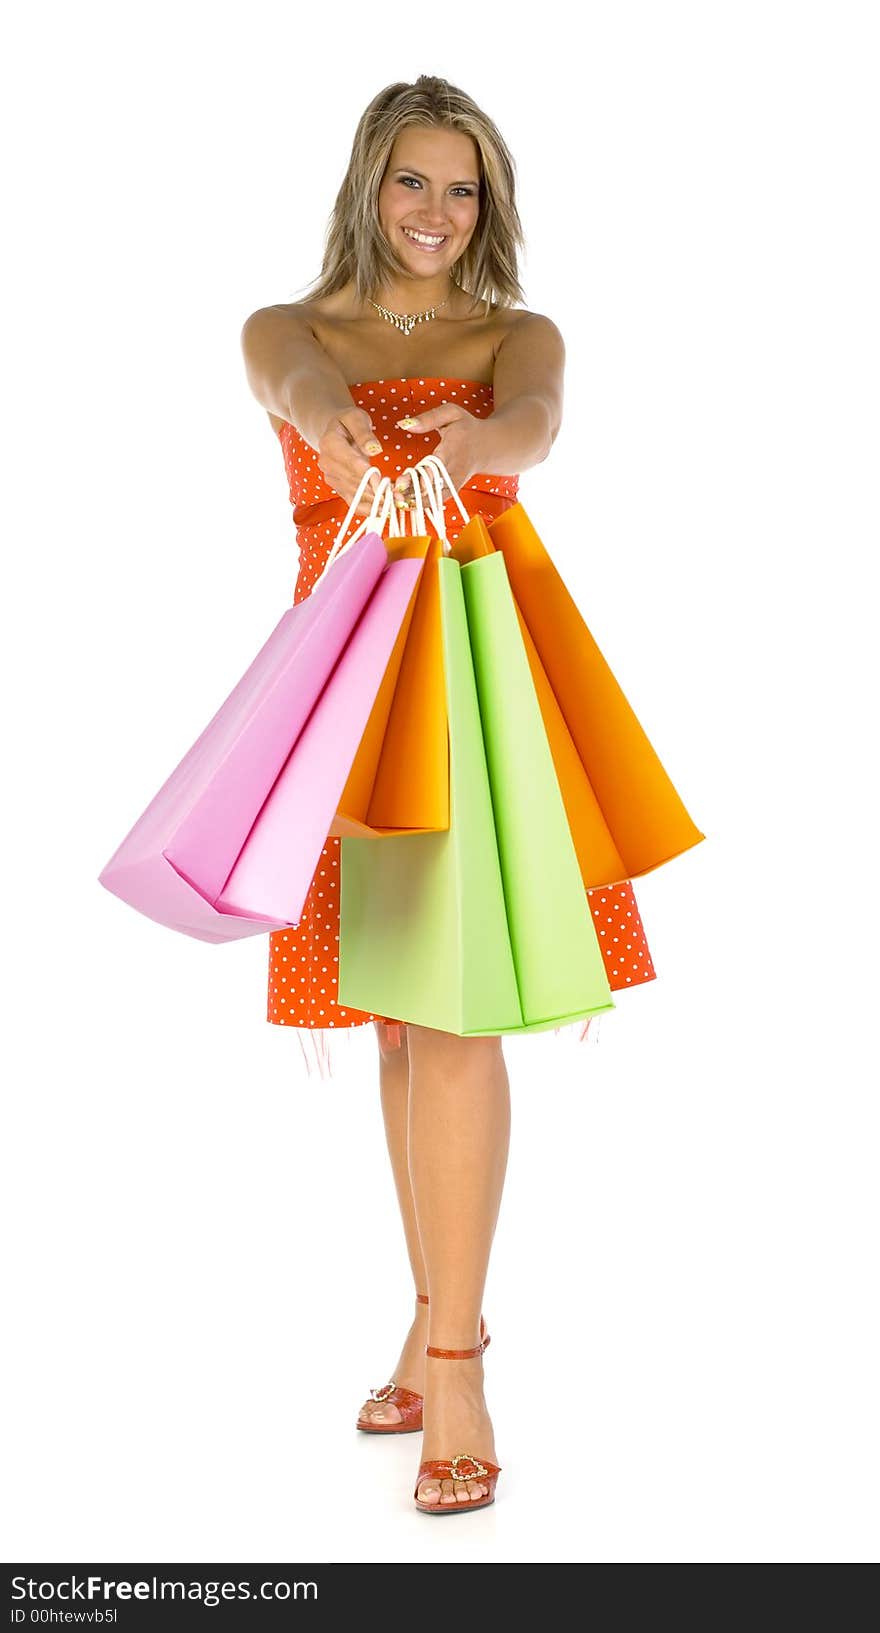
(304, 958)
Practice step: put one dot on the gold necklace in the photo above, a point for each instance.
(406, 321)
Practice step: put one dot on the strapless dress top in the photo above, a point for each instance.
(386, 401)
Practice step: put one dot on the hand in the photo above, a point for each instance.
(342, 456)
(459, 445)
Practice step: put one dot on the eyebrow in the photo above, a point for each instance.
(411, 172)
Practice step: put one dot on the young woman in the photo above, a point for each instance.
(411, 343)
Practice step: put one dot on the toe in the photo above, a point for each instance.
(381, 1412)
(475, 1489)
(429, 1492)
(389, 1414)
(447, 1491)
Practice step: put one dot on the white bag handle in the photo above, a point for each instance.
(437, 463)
(381, 508)
(433, 467)
(418, 512)
(432, 471)
(377, 509)
(420, 474)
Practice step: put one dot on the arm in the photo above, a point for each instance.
(527, 411)
(291, 374)
(527, 393)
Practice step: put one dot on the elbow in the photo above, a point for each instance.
(550, 424)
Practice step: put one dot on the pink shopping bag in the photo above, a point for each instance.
(229, 845)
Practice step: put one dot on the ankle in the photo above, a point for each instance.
(456, 1387)
(452, 1341)
(467, 1375)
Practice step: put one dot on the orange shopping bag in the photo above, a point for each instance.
(625, 815)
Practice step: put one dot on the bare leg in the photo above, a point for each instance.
(394, 1090)
(459, 1136)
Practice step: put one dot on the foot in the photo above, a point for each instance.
(409, 1372)
(456, 1420)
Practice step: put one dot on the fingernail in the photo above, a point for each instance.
(407, 424)
(374, 447)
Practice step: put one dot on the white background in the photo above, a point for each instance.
(204, 1267)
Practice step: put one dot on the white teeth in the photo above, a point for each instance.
(424, 238)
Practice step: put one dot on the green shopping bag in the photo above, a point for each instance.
(484, 928)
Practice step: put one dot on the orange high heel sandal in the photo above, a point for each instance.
(463, 1466)
(408, 1402)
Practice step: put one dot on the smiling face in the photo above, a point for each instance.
(429, 199)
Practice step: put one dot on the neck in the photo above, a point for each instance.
(408, 295)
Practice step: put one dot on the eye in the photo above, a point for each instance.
(466, 192)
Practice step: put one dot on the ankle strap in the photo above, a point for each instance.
(455, 1354)
(461, 1354)
(422, 1298)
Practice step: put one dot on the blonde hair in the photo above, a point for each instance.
(355, 245)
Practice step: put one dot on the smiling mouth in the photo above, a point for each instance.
(428, 241)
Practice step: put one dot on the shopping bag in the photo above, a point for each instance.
(228, 846)
(625, 815)
(399, 781)
(485, 928)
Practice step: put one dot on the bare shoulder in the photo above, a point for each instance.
(274, 339)
(271, 321)
(530, 328)
(530, 361)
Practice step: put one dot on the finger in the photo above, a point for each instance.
(367, 440)
(368, 444)
(367, 499)
(358, 471)
(406, 485)
(433, 419)
(360, 430)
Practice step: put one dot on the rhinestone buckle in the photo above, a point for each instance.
(383, 1393)
(475, 1470)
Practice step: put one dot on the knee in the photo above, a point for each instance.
(449, 1051)
(391, 1052)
